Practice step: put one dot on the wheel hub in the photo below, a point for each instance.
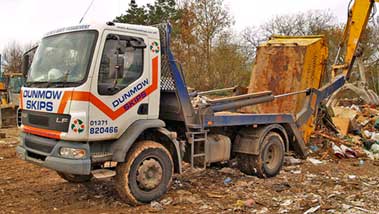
(271, 157)
(149, 174)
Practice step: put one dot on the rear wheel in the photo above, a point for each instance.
(146, 175)
(75, 178)
(270, 159)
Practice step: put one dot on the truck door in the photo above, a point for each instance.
(119, 85)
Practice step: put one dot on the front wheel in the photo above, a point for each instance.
(146, 175)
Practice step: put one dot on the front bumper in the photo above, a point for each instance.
(45, 152)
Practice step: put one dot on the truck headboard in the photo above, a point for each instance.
(175, 102)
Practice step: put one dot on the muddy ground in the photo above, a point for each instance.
(336, 186)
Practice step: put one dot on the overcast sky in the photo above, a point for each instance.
(26, 21)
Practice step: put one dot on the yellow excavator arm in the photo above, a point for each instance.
(358, 16)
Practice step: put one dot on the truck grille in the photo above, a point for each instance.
(39, 147)
(36, 156)
(44, 120)
(39, 143)
(38, 120)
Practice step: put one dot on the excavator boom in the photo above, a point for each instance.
(359, 13)
(358, 16)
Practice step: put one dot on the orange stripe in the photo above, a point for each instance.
(89, 97)
(105, 109)
(42, 132)
(154, 86)
(21, 101)
(81, 95)
(66, 97)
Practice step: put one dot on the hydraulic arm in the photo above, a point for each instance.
(358, 15)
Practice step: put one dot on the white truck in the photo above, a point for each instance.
(113, 93)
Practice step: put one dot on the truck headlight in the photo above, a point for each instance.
(72, 153)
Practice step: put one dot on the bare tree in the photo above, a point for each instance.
(212, 18)
(369, 45)
(299, 24)
(229, 65)
(12, 57)
(201, 24)
(251, 38)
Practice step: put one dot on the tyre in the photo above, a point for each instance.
(270, 159)
(146, 175)
(246, 163)
(72, 178)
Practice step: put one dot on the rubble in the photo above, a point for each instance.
(289, 160)
(166, 201)
(2, 135)
(315, 161)
(281, 187)
(337, 151)
(342, 124)
(356, 136)
(249, 203)
(213, 195)
(227, 181)
(374, 148)
(230, 171)
(348, 152)
(312, 210)
(156, 205)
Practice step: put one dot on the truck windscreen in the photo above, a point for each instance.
(63, 58)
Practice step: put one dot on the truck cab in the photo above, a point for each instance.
(88, 83)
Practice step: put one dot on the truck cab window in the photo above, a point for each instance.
(121, 64)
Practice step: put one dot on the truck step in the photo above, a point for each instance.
(197, 133)
(199, 140)
(99, 157)
(103, 173)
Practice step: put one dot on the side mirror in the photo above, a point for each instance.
(119, 67)
(27, 59)
(25, 64)
(118, 71)
(138, 44)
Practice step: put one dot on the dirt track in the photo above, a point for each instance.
(337, 186)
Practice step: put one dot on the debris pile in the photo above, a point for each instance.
(347, 131)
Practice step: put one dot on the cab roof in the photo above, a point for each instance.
(139, 29)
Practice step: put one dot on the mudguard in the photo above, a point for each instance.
(121, 146)
(249, 140)
(177, 154)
